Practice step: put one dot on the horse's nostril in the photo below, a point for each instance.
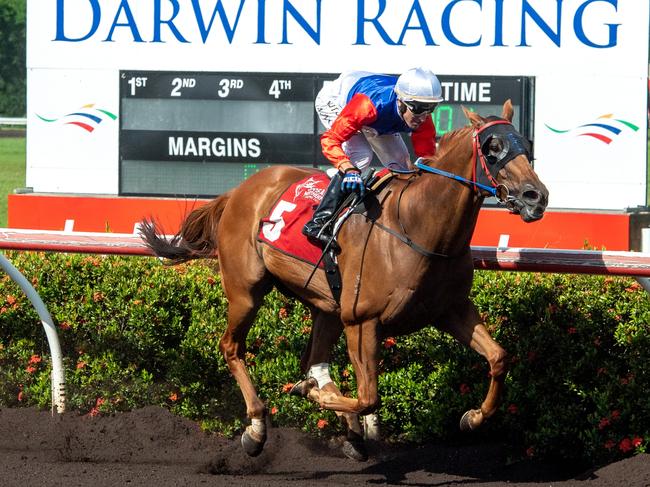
(531, 196)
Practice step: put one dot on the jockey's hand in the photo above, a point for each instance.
(352, 182)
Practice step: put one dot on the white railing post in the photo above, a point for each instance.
(58, 374)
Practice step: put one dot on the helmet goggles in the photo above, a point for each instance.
(419, 107)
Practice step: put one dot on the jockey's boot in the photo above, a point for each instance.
(328, 205)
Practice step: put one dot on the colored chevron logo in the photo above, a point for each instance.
(604, 128)
(88, 117)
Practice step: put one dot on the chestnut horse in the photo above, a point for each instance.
(405, 263)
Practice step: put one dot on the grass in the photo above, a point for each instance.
(12, 171)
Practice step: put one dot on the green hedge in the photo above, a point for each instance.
(135, 332)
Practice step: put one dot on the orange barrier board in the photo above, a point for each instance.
(558, 229)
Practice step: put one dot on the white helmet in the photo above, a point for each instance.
(419, 85)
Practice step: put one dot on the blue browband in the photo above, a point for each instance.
(434, 170)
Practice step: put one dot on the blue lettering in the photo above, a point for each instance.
(530, 11)
(261, 22)
(170, 23)
(612, 40)
(124, 5)
(446, 26)
(289, 8)
(361, 20)
(205, 32)
(422, 25)
(60, 8)
(498, 24)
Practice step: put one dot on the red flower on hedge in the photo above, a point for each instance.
(512, 409)
(464, 389)
(283, 313)
(609, 444)
(322, 423)
(287, 387)
(274, 411)
(390, 342)
(625, 445)
(572, 330)
(30, 369)
(637, 441)
(604, 423)
(35, 359)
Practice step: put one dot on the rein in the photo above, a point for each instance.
(478, 157)
(435, 170)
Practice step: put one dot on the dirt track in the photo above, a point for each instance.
(153, 447)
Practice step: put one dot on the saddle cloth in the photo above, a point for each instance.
(282, 229)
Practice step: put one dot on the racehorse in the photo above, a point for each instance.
(405, 263)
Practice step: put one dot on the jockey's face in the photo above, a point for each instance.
(411, 119)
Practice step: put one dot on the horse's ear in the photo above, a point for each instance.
(508, 111)
(475, 119)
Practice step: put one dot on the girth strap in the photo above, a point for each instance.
(408, 241)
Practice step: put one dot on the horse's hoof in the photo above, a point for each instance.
(355, 450)
(251, 443)
(303, 387)
(471, 420)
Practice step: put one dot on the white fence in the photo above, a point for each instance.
(13, 122)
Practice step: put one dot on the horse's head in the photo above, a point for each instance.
(503, 160)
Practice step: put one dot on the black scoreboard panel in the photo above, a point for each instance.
(200, 134)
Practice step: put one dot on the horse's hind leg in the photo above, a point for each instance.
(363, 350)
(326, 330)
(243, 303)
(465, 324)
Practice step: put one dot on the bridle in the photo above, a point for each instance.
(486, 167)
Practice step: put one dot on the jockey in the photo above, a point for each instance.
(364, 113)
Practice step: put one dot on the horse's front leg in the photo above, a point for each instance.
(326, 331)
(465, 324)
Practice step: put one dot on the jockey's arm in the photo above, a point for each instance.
(424, 139)
(358, 112)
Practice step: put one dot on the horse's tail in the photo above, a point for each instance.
(197, 238)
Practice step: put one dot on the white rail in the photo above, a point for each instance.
(13, 121)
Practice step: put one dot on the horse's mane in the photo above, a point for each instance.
(450, 141)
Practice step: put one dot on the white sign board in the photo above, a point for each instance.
(589, 59)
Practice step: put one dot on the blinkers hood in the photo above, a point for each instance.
(513, 144)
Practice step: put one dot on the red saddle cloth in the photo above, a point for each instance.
(282, 229)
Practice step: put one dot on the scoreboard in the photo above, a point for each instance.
(198, 134)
